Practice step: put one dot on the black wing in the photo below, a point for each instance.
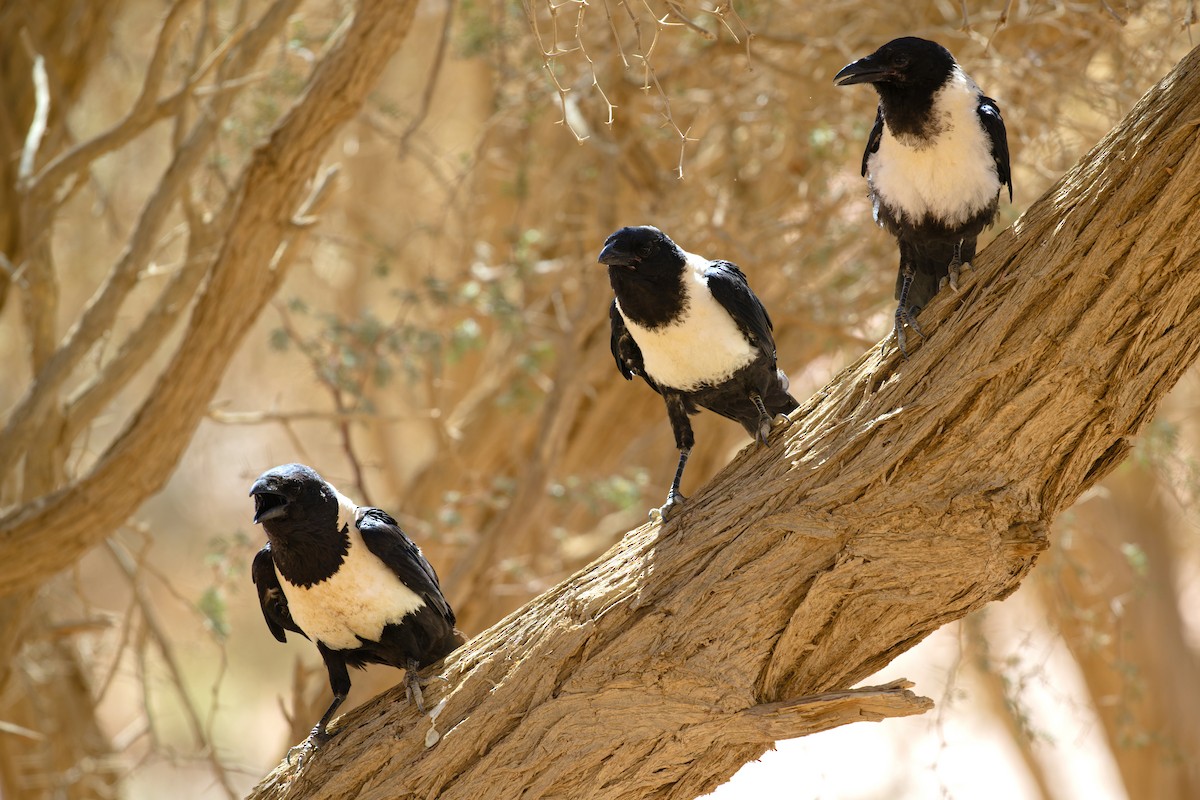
(873, 139)
(383, 537)
(271, 597)
(993, 123)
(625, 350)
(730, 288)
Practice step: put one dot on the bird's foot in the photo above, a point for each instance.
(302, 751)
(764, 431)
(764, 419)
(955, 271)
(905, 316)
(668, 509)
(412, 686)
(766, 424)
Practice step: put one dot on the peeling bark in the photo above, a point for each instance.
(906, 495)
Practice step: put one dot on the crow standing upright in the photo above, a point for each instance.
(346, 577)
(696, 333)
(935, 162)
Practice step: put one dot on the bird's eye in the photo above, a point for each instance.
(901, 61)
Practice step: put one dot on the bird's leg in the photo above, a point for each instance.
(684, 439)
(764, 419)
(954, 270)
(412, 685)
(904, 314)
(674, 498)
(339, 682)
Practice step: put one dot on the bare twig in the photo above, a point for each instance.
(41, 116)
(153, 628)
(97, 317)
(146, 110)
(1112, 12)
(275, 417)
(435, 70)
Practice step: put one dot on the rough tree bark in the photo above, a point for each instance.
(906, 495)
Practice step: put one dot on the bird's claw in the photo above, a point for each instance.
(668, 509)
(905, 316)
(764, 431)
(954, 272)
(412, 689)
(306, 748)
(781, 420)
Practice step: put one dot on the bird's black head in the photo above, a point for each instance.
(903, 67)
(633, 247)
(292, 495)
(642, 257)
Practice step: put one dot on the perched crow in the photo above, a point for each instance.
(349, 579)
(696, 334)
(934, 163)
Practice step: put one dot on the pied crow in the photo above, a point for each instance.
(696, 333)
(935, 163)
(348, 578)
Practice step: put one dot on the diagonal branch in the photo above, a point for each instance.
(146, 110)
(98, 316)
(906, 495)
(244, 275)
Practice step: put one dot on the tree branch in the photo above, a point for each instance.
(98, 316)
(905, 495)
(146, 111)
(245, 274)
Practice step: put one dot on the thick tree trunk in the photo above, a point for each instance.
(906, 495)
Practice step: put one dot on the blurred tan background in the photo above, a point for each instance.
(440, 349)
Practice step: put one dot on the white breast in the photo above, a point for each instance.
(953, 177)
(704, 347)
(361, 598)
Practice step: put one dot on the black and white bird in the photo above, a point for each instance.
(935, 163)
(697, 334)
(346, 577)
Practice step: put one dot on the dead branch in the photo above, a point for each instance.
(906, 495)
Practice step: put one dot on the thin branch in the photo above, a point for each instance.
(223, 417)
(99, 314)
(153, 628)
(435, 71)
(1112, 12)
(248, 270)
(41, 117)
(139, 346)
(677, 11)
(803, 716)
(146, 110)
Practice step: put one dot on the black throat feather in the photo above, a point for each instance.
(652, 299)
(309, 552)
(909, 113)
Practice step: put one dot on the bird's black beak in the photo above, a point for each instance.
(615, 256)
(268, 504)
(865, 70)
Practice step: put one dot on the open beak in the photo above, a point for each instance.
(865, 70)
(268, 504)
